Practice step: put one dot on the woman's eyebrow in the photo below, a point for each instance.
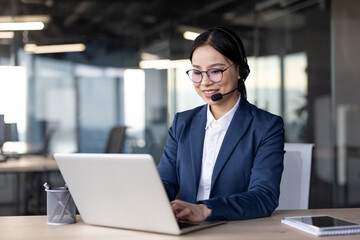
(211, 65)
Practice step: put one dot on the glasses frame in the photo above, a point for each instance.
(208, 74)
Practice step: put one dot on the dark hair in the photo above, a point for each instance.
(228, 43)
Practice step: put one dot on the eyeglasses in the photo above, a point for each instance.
(213, 74)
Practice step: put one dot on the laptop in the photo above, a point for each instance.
(122, 191)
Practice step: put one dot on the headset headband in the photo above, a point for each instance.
(244, 67)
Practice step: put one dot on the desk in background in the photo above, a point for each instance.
(28, 164)
(29, 173)
(35, 227)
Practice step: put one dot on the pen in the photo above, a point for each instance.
(46, 186)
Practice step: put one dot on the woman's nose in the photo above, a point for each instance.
(205, 79)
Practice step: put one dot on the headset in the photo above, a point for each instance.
(244, 67)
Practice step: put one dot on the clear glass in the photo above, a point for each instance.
(263, 83)
(97, 108)
(53, 97)
(296, 91)
(134, 102)
(13, 97)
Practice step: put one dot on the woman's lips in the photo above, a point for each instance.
(209, 93)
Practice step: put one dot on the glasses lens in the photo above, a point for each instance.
(215, 75)
(195, 75)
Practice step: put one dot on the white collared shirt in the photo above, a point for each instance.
(214, 135)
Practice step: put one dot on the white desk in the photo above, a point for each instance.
(35, 227)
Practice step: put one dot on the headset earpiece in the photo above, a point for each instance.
(244, 67)
(246, 73)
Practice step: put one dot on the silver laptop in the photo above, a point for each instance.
(121, 190)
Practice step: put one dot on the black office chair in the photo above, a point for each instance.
(115, 140)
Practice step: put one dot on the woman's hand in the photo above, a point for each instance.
(190, 212)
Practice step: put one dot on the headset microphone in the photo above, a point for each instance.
(219, 96)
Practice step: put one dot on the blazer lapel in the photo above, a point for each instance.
(237, 128)
(197, 135)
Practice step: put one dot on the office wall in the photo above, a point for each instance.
(346, 99)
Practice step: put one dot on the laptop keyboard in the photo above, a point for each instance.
(183, 225)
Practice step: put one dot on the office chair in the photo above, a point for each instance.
(295, 181)
(115, 140)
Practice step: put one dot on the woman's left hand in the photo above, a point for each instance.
(190, 212)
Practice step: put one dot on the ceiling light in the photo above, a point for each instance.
(156, 64)
(149, 56)
(163, 63)
(190, 35)
(33, 48)
(21, 26)
(8, 35)
(25, 18)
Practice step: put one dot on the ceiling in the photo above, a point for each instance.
(113, 28)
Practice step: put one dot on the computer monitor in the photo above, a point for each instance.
(11, 132)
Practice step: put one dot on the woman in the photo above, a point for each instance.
(225, 159)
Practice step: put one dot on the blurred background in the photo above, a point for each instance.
(73, 72)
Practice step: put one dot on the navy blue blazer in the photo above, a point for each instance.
(247, 173)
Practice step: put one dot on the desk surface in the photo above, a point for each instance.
(35, 227)
(28, 164)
